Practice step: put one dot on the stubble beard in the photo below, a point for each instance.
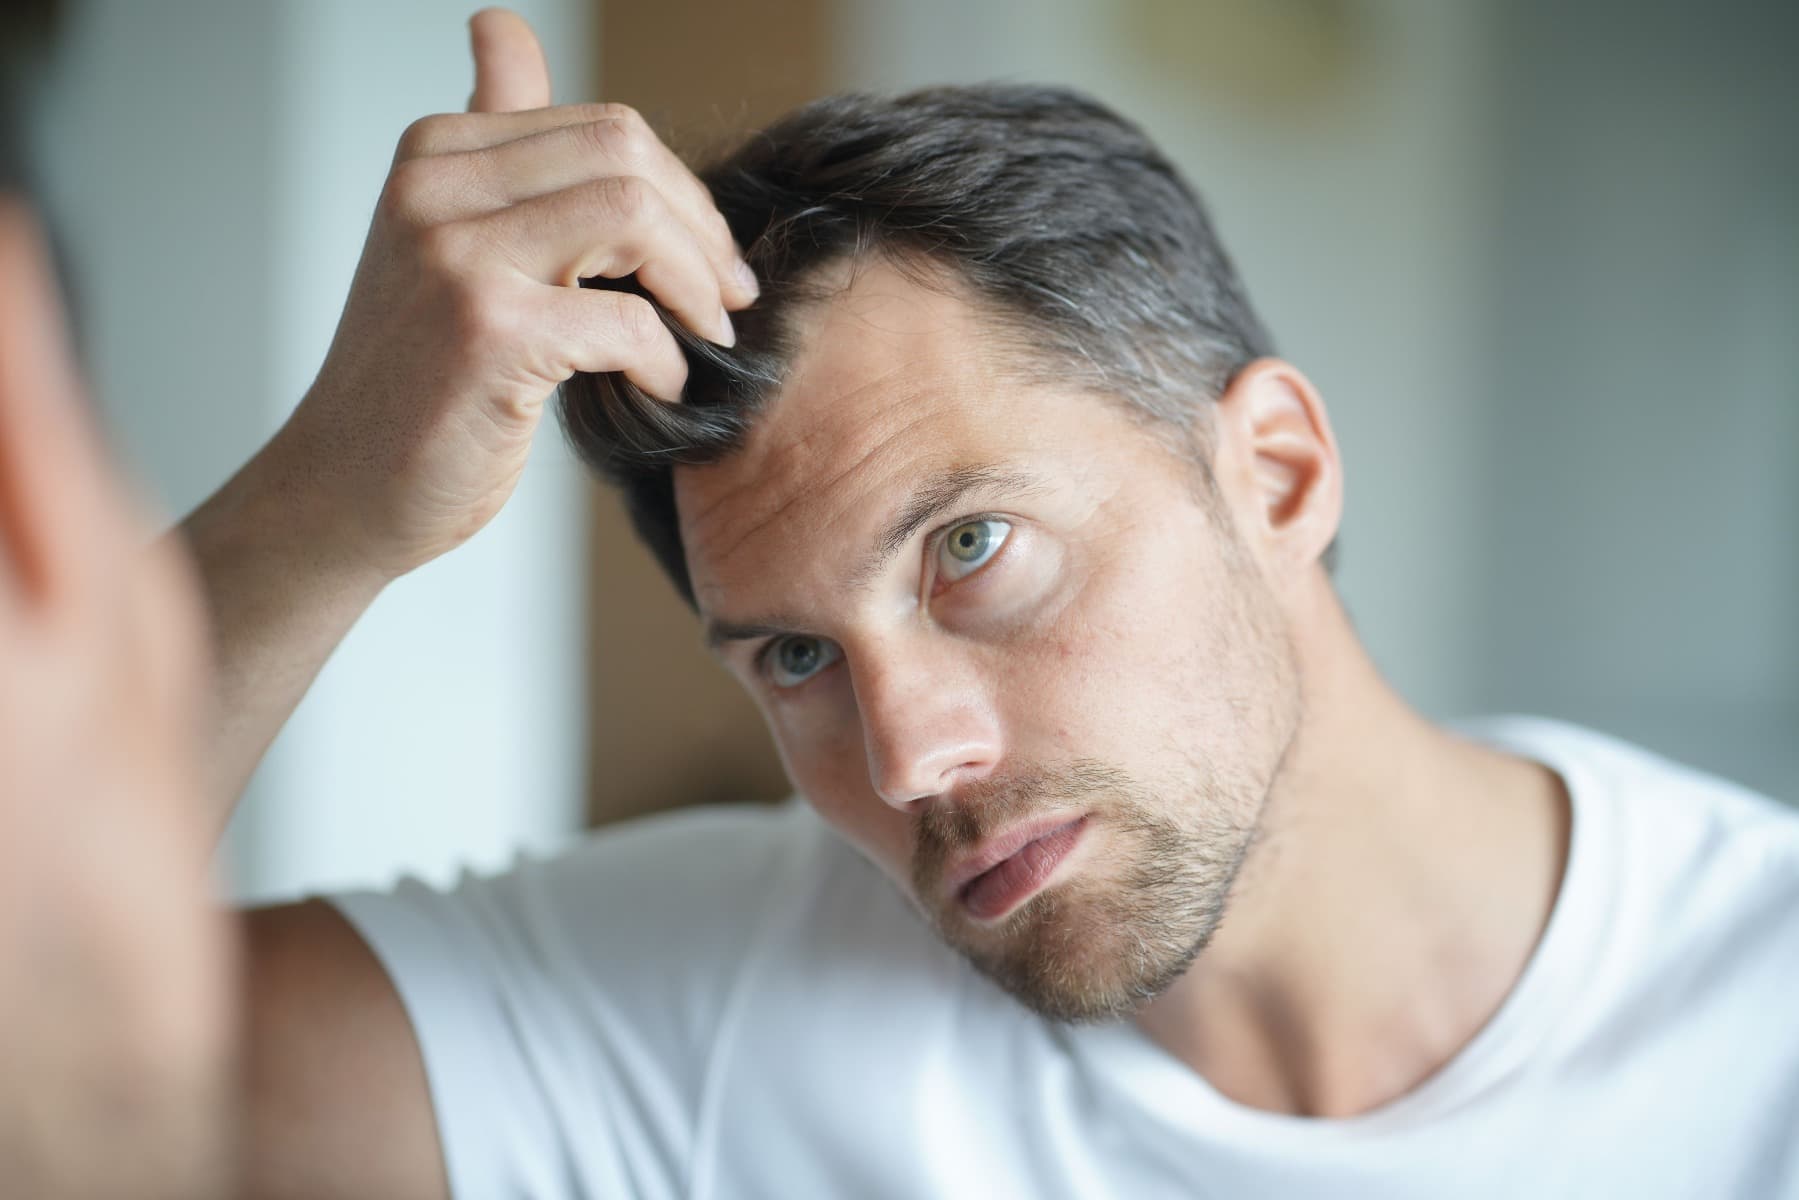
(1100, 945)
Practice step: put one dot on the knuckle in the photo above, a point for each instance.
(446, 249)
(424, 136)
(624, 114)
(628, 200)
(405, 199)
(479, 317)
(638, 321)
(617, 141)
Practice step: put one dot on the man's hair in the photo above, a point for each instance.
(1076, 238)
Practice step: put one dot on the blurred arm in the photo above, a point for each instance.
(115, 1038)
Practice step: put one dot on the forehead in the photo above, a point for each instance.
(893, 381)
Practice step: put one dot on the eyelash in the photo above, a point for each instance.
(932, 548)
(935, 543)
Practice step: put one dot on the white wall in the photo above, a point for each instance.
(1643, 560)
(212, 166)
(1392, 177)
(1541, 258)
(1342, 177)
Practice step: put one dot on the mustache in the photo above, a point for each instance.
(984, 807)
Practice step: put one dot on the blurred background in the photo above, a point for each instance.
(1541, 256)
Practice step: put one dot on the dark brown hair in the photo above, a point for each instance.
(1062, 219)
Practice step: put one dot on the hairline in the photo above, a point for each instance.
(1018, 362)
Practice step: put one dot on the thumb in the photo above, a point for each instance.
(510, 71)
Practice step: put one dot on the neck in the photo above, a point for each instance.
(1401, 882)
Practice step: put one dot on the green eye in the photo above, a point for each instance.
(796, 658)
(970, 546)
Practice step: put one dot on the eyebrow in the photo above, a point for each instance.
(935, 495)
(719, 632)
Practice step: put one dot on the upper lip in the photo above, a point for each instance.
(993, 851)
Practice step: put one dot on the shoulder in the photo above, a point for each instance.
(1664, 814)
(671, 901)
(569, 1009)
(1696, 878)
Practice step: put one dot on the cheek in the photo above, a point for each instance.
(820, 743)
(882, 834)
(827, 765)
(1130, 661)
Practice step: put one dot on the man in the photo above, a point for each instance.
(1121, 872)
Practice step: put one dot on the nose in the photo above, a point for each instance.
(927, 724)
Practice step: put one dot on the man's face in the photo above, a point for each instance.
(1006, 641)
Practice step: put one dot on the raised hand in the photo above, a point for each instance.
(463, 317)
(465, 314)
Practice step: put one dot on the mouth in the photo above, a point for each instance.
(1005, 871)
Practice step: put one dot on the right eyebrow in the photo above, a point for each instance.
(719, 632)
(930, 498)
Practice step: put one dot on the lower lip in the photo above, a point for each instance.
(1000, 889)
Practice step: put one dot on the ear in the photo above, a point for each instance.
(1276, 460)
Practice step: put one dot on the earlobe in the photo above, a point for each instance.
(1273, 420)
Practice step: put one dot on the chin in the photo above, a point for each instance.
(1124, 915)
(1081, 959)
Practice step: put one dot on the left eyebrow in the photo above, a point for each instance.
(932, 497)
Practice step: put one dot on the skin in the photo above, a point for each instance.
(1139, 646)
(461, 320)
(118, 1019)
(115, 1026)
(1110, 628)
(1189, 642)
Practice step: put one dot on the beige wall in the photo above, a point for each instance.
(668, 726)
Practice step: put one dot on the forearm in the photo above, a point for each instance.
(280, 594)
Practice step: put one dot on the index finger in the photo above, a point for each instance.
(618, 143)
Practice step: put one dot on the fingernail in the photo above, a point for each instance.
(747, 278)
(724, 324)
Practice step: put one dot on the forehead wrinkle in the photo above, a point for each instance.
(826, 486)
(767, 419)
(816, 489)
(926, 355)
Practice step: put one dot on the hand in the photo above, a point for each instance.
(114, 1017)
(465, 314)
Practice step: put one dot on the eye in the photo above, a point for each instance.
(970, 546)
(791, 660)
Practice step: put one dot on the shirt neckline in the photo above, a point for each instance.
(1120, 1056)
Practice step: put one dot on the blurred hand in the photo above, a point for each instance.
(465, 311)
(114, 1015)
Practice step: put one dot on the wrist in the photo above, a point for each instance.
(268, 522)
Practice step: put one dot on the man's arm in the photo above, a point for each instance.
(279, 601)
(336, 1099)
(463, 318)
(461, 321)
